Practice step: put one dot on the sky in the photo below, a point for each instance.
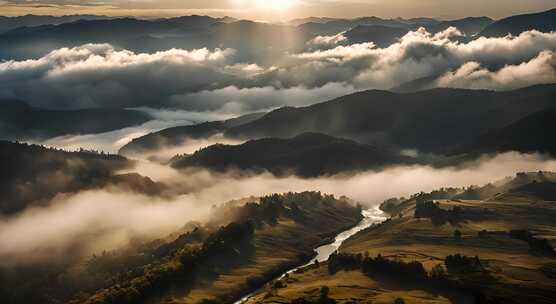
(277, 10)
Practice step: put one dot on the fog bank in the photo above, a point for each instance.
(93, 221)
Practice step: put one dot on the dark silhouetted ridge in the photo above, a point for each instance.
(308, 155)
(515, 25)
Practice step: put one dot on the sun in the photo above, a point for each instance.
(275, 5)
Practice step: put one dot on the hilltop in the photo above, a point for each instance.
(307, 155)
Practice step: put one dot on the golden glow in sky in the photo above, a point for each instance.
(265, 9)
(277, 5)
(265, 5)
(279, 9)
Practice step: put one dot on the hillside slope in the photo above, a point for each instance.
(19, 121)
(433, 121)
(308, 155)
(515, 25)
(32, 175)
(241, 247)
(530, 134)
(177, 136)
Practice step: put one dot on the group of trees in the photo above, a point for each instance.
(390, 205)
(458, 264)
(438, 215)
(225, 248)
(537, 245)
(449, 276)
(442, 193)
(412, 271)
(290, 205)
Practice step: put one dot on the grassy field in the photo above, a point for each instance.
(517, 274)
(345, 287)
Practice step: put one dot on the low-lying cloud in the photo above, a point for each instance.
(111, 142)
(327, 41)
(235, 100)
(418, 54)
(93, 221)
(540, 70)
(96, 75)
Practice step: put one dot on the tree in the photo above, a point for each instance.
(462, 264)
(457, 235)
(324, 299)
(438, 272)
(324, 292)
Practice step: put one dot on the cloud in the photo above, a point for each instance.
(417, 55)
(236, 100)
(112, 141)
(204, 80)
(92, 221)
(541, 69)
(164, 154)
(95, 75)
(326, 41)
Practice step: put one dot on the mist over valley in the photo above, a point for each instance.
(284, 152)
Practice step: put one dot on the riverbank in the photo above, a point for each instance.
(322, 253)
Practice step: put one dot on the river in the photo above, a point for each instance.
(370, 217)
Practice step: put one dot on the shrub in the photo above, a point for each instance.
(457, 235)
(399, 301)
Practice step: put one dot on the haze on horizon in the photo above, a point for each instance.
(277, 10)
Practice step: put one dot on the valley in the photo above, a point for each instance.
(277, 152)
(512, 270)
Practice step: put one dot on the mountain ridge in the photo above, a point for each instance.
(20, 121)
(542, 21)
(306, 155)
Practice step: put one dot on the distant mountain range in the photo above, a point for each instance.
(377, 126)
(433, 121)
(544, 22)
(381, 35)
(19, 121)
(27, 21)
(254, 41)
(34, 36)
(470, 26)
(307, 155)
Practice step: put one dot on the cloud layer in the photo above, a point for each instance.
(92, 221)
(417, 55)
(98, 75)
